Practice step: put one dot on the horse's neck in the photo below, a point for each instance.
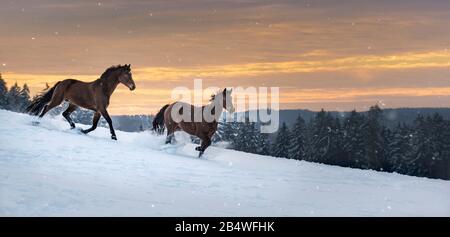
(218, 108)
(109, 84)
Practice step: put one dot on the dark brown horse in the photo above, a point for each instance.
(204, 126)
(93, 95)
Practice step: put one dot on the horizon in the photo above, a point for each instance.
(321, 54)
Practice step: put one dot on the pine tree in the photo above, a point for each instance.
(221, 133)
(3, 93)
(262, 143)
(230, 133)
(335, 150)
(444, 164)
(430, 147)
(13, 98)
(353, 140)
(399, 147)
(226, 131)
(251, 138)
(281, 146)
(298, 147)
(246, 137)
(24, 98)
(321, 137)
(238, 139)
(374, 143)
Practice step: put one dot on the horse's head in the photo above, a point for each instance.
(228, 100)
(126, 78)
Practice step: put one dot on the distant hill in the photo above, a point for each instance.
(132, 123)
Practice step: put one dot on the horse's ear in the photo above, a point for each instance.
(225, 91)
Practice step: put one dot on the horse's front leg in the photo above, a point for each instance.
(94, 123)
(108, 119)
(206, 142)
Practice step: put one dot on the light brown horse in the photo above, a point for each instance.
(206, 125)
(93, 95)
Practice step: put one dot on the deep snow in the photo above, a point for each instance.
(50, 170)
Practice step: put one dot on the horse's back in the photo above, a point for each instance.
(192, 127)
(77, 92)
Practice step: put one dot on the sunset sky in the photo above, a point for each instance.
(337, 55)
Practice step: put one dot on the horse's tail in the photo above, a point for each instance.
(158, 121)
(40, 101)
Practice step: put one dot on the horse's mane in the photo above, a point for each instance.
(112, 69)
(213, 96)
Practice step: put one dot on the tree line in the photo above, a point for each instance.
(359, 140)
(15, 98)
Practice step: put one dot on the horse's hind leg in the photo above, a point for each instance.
(66, 114)
(170, 135)
(161, 130)
(56, 100)
(169, 138)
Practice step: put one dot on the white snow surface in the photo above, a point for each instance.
(50, 170)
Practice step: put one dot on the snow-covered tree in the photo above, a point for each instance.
(246, 137)
(374, 142)
(321, 137)
(399, 147)
(280, 148)
(13, 98)
(353, 140)
(430, 146)
(298, 147)
(24, 98)
(3, 93)
(262, 143)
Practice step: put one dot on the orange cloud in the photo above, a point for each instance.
(147, 100)
(432, 59)
(413, 60)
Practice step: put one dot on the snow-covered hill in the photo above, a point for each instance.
(50, 170)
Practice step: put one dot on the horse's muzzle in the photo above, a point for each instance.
(132, 87)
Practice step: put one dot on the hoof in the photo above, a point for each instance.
(84, 131)
(200, 154)
(113, 137)
(72, 126)
(198, 148)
